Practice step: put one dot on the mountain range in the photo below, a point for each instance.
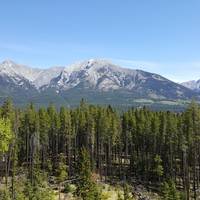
(193, 85)
(97, 80)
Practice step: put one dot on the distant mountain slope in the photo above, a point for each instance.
(102, 76)
(193, 85)
(37, 77)
(96, 80)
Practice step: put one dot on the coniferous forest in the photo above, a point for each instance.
(48, 149)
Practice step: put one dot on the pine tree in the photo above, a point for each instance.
(65, 134)
(169, 191)
(6, 135)
(44, 127)
(61, 172)
(86, 187)
(158, 168)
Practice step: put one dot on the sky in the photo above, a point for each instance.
(160, 36)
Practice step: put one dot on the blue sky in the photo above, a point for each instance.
(161, 36)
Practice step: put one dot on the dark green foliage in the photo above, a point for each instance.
(169, 191)
(67, 188)
(158, 168)
(61, 171)
(86, 187)
(39, 190)
(4, 194)
(6, 135)
(139, 144)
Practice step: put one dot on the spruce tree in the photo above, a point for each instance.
(86, 187)
(61, 172)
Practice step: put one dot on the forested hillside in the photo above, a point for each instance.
(46, 149)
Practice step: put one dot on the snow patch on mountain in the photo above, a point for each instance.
(93, 74)
(45, 76)
(11, 68)
(37, 77)
(102, 75)
(193, 85)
